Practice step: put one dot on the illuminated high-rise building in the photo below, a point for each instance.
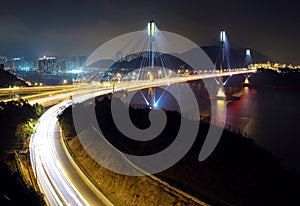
(22, 64)
(47, 64)
(3, 59)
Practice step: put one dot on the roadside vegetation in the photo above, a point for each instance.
(18, 185)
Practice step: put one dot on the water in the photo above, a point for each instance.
(272, 118)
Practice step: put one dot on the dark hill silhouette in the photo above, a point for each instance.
(141, 60)
(105, 63)
(7, 79)
(134, 61)
(237, 56)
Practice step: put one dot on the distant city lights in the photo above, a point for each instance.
(46, 58)
(24, 69)
(75, 71)
(273, 66)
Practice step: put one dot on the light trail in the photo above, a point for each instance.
(54, 175)
(57, 178)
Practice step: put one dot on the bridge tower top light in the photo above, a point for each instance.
(248, 59)
(222, 36)
(222, 44)
(151, 33)
(248, 52)
(151, 28)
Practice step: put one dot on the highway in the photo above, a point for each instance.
(50, 95)
(7, 94)
(57, 175)
(57, 178)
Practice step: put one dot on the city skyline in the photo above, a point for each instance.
(60, 28)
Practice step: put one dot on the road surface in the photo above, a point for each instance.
(57, 176)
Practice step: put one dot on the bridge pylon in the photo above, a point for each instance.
(151, 34)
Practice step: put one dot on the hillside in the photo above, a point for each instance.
(7, 79)
(135, 61)
(237, 173)
(236, 57)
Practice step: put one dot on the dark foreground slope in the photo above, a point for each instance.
(237, 173)
(13, 191)
(7, 79)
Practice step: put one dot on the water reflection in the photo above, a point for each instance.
(220, 113)
(271, 117)
(239, 112)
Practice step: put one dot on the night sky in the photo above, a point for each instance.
(34, 28)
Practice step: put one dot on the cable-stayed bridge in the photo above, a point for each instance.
(143, 60)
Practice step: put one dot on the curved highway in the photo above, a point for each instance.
(59, 178)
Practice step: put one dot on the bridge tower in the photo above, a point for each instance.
(151, 34)
(248, 59)
(222, 42)
(220, 92)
